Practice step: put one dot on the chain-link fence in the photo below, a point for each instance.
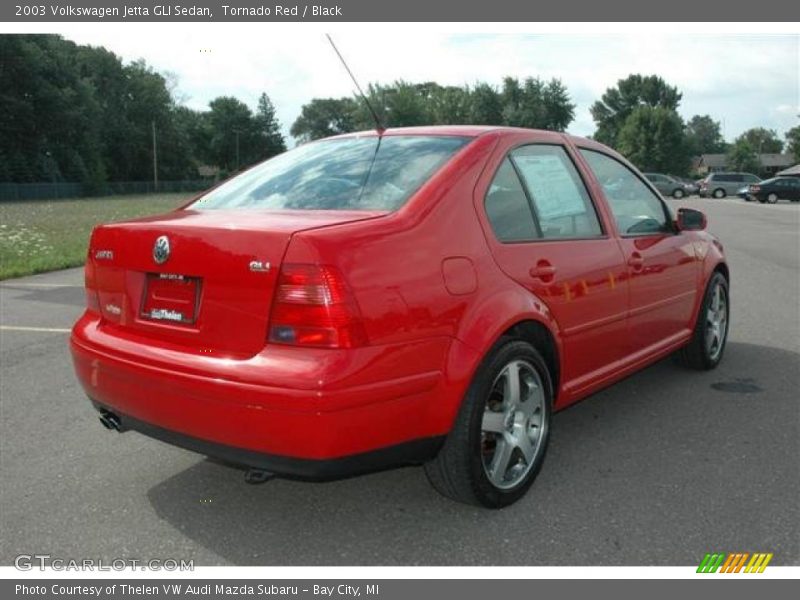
(45, 191)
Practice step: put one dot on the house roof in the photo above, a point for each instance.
(795, 171)
(766, 160)
(713, 160)
(776, 160)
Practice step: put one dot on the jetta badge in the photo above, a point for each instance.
(161, 250)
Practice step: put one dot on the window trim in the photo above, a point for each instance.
(529, 198)
(669, 221)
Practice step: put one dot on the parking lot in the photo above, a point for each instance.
(657, 470)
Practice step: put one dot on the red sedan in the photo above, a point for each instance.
(423, 296)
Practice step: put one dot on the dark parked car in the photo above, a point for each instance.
(771, 190)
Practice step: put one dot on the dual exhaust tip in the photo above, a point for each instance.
(110, 421)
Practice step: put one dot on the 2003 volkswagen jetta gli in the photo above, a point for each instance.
(426, 295)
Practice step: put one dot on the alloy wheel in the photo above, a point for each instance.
(514, 424)
(716, 322)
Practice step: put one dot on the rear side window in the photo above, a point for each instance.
(636, 209)
(560, 201)
(354, 173)
(507, 207)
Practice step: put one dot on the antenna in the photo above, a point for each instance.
(378, 125)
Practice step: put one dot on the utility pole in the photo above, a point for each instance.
(237, 150)
(155, 159)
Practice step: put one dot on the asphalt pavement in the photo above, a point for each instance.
(656, 470)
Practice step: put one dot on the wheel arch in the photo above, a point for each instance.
(481, 333)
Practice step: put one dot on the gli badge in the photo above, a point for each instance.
(161, 250)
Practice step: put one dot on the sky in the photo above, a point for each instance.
(741, 80)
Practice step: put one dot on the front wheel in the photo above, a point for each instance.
(677, 193)
(772, 198)
(704, 351)
(499, 439)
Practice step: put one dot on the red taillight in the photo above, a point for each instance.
(92, 300)
(755, 188)
(314, 307)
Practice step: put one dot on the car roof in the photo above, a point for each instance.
(460, 130)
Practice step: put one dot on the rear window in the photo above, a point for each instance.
(355, 173)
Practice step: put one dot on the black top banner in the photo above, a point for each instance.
(406, 10)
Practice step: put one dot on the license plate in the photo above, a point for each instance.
(171, 298)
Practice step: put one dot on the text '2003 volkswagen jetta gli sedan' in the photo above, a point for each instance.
(414, 296)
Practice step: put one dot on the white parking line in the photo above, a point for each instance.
(37, 329)
(42, 285)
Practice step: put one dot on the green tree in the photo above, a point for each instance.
(742, 156)
(653, 139)
(617, 103)
(234, 138)
(762, 140)
(536, 104)
(704, 135)
(269, 129)
(793, 142)
(486, 107)
(323, 117)
(450, 105)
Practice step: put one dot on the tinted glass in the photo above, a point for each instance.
(560, 200)
(507, 207)
(636, 209)
(359, 173)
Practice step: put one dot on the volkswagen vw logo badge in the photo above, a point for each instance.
(161, 250)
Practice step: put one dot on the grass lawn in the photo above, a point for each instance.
(45, 235)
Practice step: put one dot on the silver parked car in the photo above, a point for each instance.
(667, 185)
(719, 185)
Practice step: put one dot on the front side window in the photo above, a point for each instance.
(636, 209)
(561, 203)
(352, 173)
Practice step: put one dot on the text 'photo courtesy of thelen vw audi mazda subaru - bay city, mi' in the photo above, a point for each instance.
(411, 296)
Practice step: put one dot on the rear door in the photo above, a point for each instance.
(545, 233)
(662, 266)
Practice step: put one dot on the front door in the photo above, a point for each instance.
(662, 266)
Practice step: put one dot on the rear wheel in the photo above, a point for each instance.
(772, 198)
(499, 439)
(719, 193)
(704, 351)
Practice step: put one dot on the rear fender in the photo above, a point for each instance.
(480, 330)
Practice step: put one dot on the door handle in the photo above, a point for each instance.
(543, 270)
(636, 262)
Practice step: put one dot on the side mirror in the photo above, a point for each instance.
(691, 220)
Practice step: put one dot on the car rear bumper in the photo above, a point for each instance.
(405, 453)
(341, 414)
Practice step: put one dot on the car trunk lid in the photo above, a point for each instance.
(200, 279)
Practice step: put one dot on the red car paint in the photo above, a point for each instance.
(433, 290)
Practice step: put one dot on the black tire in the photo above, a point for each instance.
(772, 198)
(719, 193)
(698, 354)
(458, 471)
(678, 193)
